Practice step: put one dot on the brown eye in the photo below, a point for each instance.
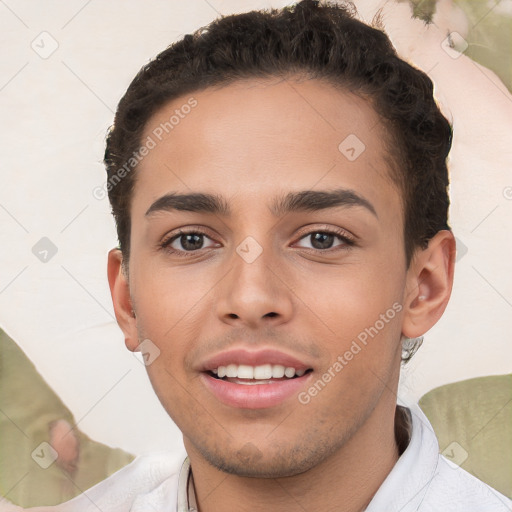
(322, 240)
(185, 241)
(325, 240)
(191, 241)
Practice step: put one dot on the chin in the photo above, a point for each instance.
(250, 462)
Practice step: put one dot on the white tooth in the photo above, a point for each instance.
(245, 372)
(214, 371)
(263, 372)
(290, 372)
(221, 371)
(255, 382)
(277, 371)
(300, 373)
(231, 370)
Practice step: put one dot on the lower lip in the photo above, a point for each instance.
(254, 396)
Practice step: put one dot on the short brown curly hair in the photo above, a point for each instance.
(323, 41)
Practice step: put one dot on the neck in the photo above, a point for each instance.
(349, 478)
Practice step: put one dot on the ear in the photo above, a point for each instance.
(120, 291)
(429, 284)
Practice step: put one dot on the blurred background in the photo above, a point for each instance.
(64, 67)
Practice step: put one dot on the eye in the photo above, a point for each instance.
(185, 242)
(323, 240)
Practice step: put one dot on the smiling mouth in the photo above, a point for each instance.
(254, 375)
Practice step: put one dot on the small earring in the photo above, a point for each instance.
(409, 347)
(422, 297)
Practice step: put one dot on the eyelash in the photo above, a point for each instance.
(348, 241)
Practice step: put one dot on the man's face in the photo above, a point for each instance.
(259, 290)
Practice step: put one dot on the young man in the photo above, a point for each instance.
(279, 186)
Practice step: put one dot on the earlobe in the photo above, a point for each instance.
(120, 292)
(429, 285)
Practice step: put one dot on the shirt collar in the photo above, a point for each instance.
(186, 494)
(408, 483)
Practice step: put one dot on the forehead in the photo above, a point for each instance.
(253, 137)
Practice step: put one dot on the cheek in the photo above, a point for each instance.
(168, 302)
(363, 354)
(355, 314)
(175, 393)
(348, 299)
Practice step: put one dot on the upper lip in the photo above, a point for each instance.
(253, 358)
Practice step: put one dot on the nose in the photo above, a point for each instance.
(255, 292)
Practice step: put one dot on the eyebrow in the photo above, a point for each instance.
(306, 200)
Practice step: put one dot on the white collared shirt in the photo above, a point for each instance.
(421, 480)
